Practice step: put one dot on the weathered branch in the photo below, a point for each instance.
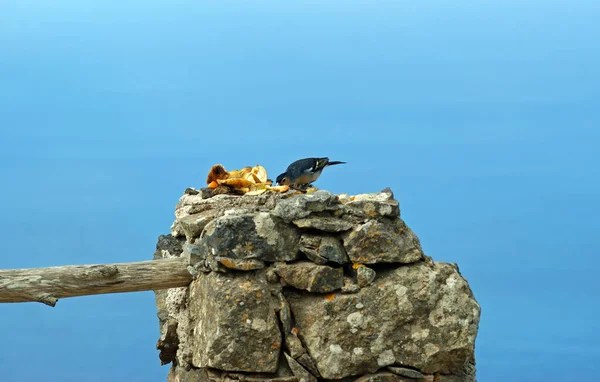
(47, 285)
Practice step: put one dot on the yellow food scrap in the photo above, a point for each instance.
(246, 181)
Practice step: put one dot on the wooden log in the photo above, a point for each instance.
(47, 285)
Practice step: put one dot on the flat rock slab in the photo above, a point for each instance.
(192, 225)
(311, 277)
(383, 377)
(321, 249)
(382, 241)
(324, 223)
(300, 206)
(259, 236)
(237, 328)
(299, 371)
(241, 264)
(406, 372)
(419, 315)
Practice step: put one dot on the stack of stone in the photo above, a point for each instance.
(307, 287)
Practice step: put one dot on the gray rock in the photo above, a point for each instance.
(299, 371)
(414, 315)
(385, 241)
(331, 248)
(309, 245)
(350, 286)
(362, 207)
(324, 223)
(308, 364)
(236, 325)
(192, 225)
(321, 249)
(193, 254)
(168, 342)
(285, 314)
(181, 374)
(364, 275)
(383, 377)
(300, 206)
(406, 372)
(311, 277)
(167, 247)
(241, 264)
(453, 378)
(213, 375)
(236, 316)
(193, 204)
(191, 191)
(314, 256)
(293, 345)
(259, 236)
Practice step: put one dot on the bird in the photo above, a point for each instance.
(303, 172)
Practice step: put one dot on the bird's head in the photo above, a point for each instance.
(282, 179)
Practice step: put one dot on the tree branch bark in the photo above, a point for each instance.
(47, 285)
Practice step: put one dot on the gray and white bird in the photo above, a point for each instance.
(304, 171)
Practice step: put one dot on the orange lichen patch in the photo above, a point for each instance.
(228, 263)
(294, 331)
(437, 378)
(258, 295)
(352, 198)
(275, 345)
(436, 345)
(330, 297)
(213, 184)
(356, 266)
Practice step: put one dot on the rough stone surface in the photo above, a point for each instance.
(237, 327)
(324, 223)
(311, 277)
(383, 377)
(259, 236)
(421, 316)
(406, 372)
(299, 371)
(364, 275)
(168, 246)
(366, 304)
(382, 241)
(301, 206)
(453, 378)
(350, 286)
(241, 264)
(321, 249)
(192, 225)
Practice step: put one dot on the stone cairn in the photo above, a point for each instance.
(310, 287)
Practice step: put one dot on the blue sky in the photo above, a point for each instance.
(483, 117)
